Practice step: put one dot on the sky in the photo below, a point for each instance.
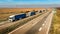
(24, 2)
(29, 3)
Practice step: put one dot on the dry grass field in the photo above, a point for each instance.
(6, 12)
(55, 28)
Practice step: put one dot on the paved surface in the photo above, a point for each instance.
(44, 29)
(4, 26)
(2, 23)
(32, 27)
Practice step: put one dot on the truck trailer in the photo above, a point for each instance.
(30, 13)
(17, 17)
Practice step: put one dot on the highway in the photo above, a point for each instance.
(44, 29)
(5, 26)
(39, 25)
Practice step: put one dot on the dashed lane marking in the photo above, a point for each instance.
(43, 24)
(40, 28)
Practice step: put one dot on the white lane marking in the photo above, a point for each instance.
(50, 23)
(40, 28)
(43, 24)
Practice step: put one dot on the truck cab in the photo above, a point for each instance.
(12, 18)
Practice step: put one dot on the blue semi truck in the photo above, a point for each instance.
(17, 17)
(20, 16)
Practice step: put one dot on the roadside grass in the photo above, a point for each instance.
(55, 26)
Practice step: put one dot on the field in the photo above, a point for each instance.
(55, 27)
(6, 12)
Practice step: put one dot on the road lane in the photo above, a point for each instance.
(2, 23)
(35, 28)
(4, 28)
(45, 28)
(27, 28)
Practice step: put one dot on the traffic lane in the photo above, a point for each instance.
(47, 24)
(23, 29)
(2, 23)
(7, 22)
(4, 27)
(35, 28)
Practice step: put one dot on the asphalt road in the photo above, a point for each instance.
(34, 26)
(44, 29)
(4, 27)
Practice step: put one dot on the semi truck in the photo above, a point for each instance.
(40, 11)
(31, 13)
(17, 17)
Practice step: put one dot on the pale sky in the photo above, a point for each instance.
(29, 3)
(22, 2)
